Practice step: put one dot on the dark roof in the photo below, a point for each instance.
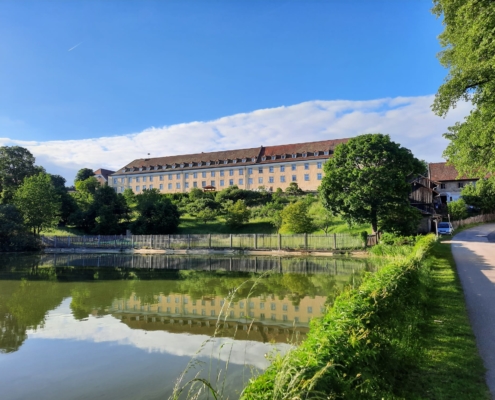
(104, 172)
(442, 171)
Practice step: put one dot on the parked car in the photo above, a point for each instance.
(445, 228)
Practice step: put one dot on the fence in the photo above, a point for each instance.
(474, 220)
(303, 242)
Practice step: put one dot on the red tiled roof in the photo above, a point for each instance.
(299, 148)
(104, 172)
(442, 171)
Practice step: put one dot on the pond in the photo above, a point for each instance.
(76, 326)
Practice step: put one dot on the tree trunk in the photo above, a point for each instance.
(374, 221)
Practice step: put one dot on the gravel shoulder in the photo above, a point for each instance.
(474, 255)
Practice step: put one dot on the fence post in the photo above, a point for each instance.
(255, 241)
(279, 241)
(132, 241)
(151, 244)
(84, 240)
(55, 242)
(306, 241)
(168, 241)
(209, 240)
(231, 240)
(68, 241)
(335, 241)
(115, 241)
(188, 241)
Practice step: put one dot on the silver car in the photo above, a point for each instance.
(445, 228)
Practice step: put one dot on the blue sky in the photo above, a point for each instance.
(134, 65)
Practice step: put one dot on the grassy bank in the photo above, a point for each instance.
(403, 335)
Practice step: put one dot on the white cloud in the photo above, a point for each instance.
(408, 120)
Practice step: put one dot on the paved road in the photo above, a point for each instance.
(474, 254)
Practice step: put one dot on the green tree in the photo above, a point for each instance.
(68, 204)
(457, 209)
(38, 202)
(237, 214)
(107, 211)
(293, 189)
(156, 214)
(16, 163)
(322, 218)
(13, 233)
(83, 174)
(296, 219)
(367, 178)
(202, 204)
(468, 43)
(481, 195)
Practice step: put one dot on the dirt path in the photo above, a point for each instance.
(474, 254)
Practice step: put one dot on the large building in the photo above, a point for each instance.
(450, 184)
(270, 167)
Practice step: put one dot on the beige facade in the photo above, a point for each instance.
(268, 167)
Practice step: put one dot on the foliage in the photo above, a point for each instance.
(38, 202)
(400, 220)
(237, 214)
(205, 209)
(16, 163)
(156, 214)
(296, 219)
(362, 347)
(457, 209)
(13, 233)
(83, 174)
(366, 179)
(468, 43)
(68, 204)
(251, 197)
(293, 189)
(322, 217)
(481, 195)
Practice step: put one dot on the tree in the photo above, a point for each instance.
(13, 234)
(296, 219)
(481, 195)
(156, 214)
(468, 42)
(322, 218)
(107, 210)
(293, 189)
(237, 214)
(367, 178)
(16, 163)
(201, 204)
(83, 174)
(68, 204)
(457, 209)
(38, 202)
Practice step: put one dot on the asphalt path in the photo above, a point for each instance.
(474, 255)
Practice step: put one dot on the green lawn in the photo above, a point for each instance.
(450, 367)
(62, 231)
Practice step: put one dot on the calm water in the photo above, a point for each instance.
(127, 327)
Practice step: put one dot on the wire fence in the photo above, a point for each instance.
(302, 242)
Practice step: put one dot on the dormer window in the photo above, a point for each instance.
(207, 163)
(283, 157)
(234, 161)
(316, 153)
(141, 168)
(243, 160)
(304, 154)
(253, 159)
(274, 157)
(325, 152)
(191, 164)
(173, 165)
(263, 158)
(225, 161)
(182, 165)
(294, 155)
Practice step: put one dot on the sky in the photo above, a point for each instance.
(101, 83)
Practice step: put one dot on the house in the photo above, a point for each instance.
(270, 167)
(423, 196)
(449, 183)
(102, 175)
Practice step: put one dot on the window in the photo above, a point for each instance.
(306, 166)
(318, 164)
(144, 179)
(294, 178)
(270, 179)
(274, 157)
(293, 167)
(212, 174)
(151, 186)
(222, 182)
(310, 310)
(129, 180)
(315, 153)
(170, 177)
(234, 161)
(212, 302)
(137, 189)
(195, 175)
(241, 314)
(283, 157)
(260, 170)
(177, 185)
(273, 317)
(176, 299)
(282, 168)
(177, 176)
(304, 154)
(243, 160)
(212, 183)
(203, 174)
(207, 163)
(250, 181)
(225, 161)
(203, 183)
(250, 171)
(161, 177)
(273, 306)
(241, 172)
(122, 180)
(251, 304)
(282, 178)
(294, 155)
(306, 177)
(260, 180)
(194, 311)
(137, 178)
(231, 182)
(262, 316)
(186, 175)
(460, 184)
(262, 306)
(241, 304)
(285, 307)
(186, 185)
(232, 314)
(284, 317)
(161, 186)
(222, 172)
(442, 186)
(212, 313)
(296, 320)
(253, 159)
(191, 164)
(270, 169)
(263, 158)
(151, 178)
(231, 172)
(318, 176)
(296, 308)
(203, 312)
(241, 181)
(325, 152)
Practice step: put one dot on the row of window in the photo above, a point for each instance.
(204, 174)
(222, 182)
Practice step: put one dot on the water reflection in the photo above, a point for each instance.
(165, 305)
